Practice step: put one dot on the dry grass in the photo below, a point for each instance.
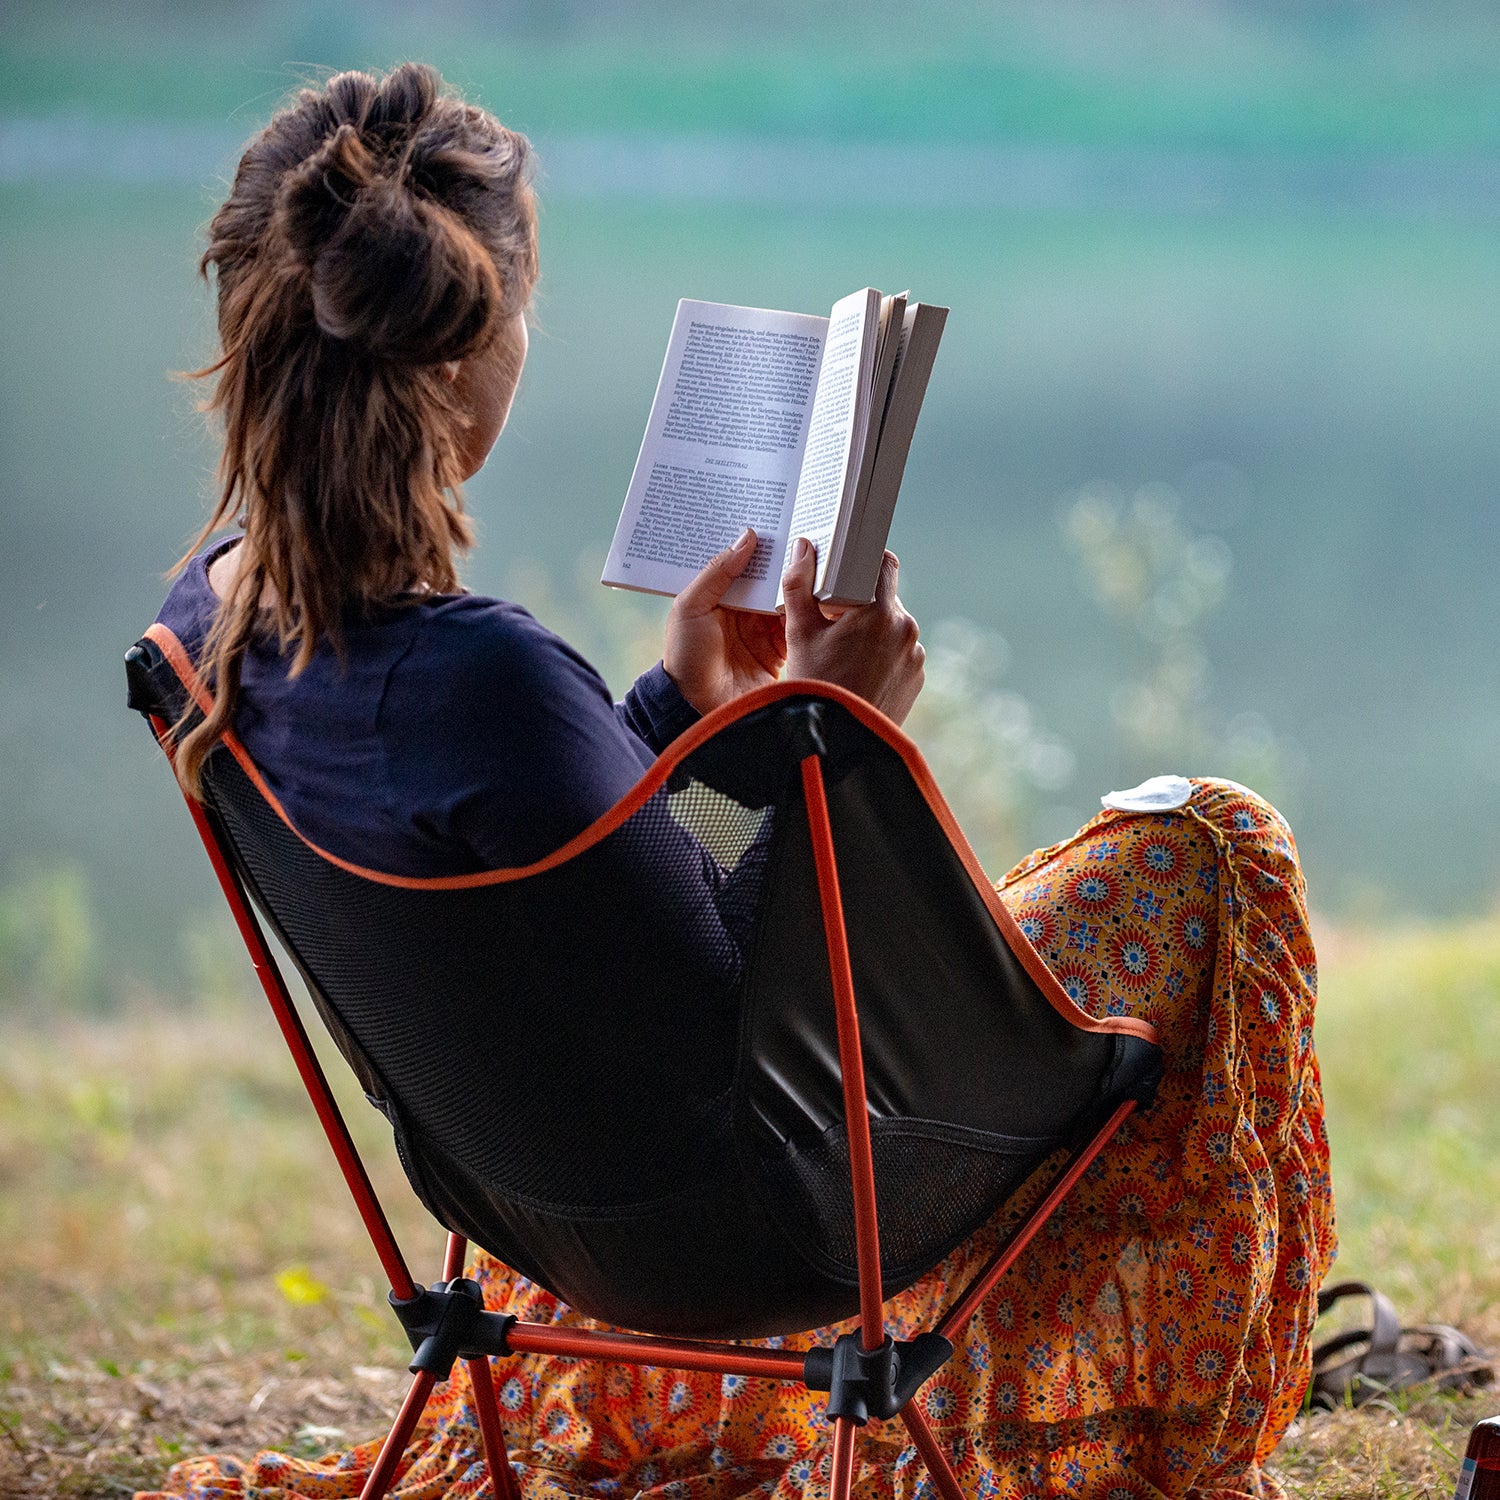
(1408, 1447)
(182, 1270)
(1410, 1045)
(159, 1174)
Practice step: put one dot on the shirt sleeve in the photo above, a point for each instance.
(655, 711)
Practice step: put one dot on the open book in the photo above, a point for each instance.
(793, 424)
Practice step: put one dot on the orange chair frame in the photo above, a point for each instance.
(644, 1349)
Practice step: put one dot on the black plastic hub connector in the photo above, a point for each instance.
(876, 1383)
(802, 729)
(141, 695)
(447, 1321)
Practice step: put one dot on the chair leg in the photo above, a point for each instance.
(492, 1430)
(453, 1255)
(383, 1475)
(482, 1383)
(931, 1453)
(967, 1304)
(841, 1480)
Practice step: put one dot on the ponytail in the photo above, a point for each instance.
(376, 230)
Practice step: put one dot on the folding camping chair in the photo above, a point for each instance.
(635, 1070)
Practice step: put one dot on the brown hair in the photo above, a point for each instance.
(377, 228)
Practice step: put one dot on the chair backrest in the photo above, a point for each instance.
(617, 1068)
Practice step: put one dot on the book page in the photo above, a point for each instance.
(859, 565)
(890, 332)
(840, 417)
(723, 450)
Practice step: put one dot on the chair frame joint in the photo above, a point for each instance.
(447, 1322)
(864, 1383)
(802, 727)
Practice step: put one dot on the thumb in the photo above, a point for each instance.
(802, 611)
(703, 594)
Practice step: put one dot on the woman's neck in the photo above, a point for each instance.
(225, 570)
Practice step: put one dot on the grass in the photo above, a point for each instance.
(182, 1270)
(1409, 1040)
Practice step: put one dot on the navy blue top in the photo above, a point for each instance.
(458, 734)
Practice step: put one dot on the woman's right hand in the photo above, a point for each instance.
(871, 649)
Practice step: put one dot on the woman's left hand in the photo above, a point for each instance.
(715, 654)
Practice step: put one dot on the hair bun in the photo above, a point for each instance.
(392, 272)
(318, 193)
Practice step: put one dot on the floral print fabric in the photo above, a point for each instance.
(1154, 1338)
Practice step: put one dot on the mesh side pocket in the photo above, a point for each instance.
(934, 1186)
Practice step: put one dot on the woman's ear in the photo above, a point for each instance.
(450, 369)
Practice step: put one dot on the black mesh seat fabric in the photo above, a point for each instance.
(618, 1070)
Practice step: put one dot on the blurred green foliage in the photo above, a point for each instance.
(49, 954)
(1245, 250)
(985, 741)
(1409, 1024)
(1162, 582)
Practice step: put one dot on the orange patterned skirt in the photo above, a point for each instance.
(1152, 1341)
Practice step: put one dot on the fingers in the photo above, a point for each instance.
(706, 591)
(763, 632)
(871, 649)
(803, 613)
(764, 637)
(902, 625)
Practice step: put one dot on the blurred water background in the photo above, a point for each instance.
(1204, 479)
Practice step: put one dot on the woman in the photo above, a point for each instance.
(374, 262)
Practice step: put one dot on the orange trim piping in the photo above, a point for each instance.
(652, 782)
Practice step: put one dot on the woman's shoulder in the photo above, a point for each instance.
(473, 639)
(470, 620)
(459, 636)
(189, 608)
(512, 705)
(493, 675)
